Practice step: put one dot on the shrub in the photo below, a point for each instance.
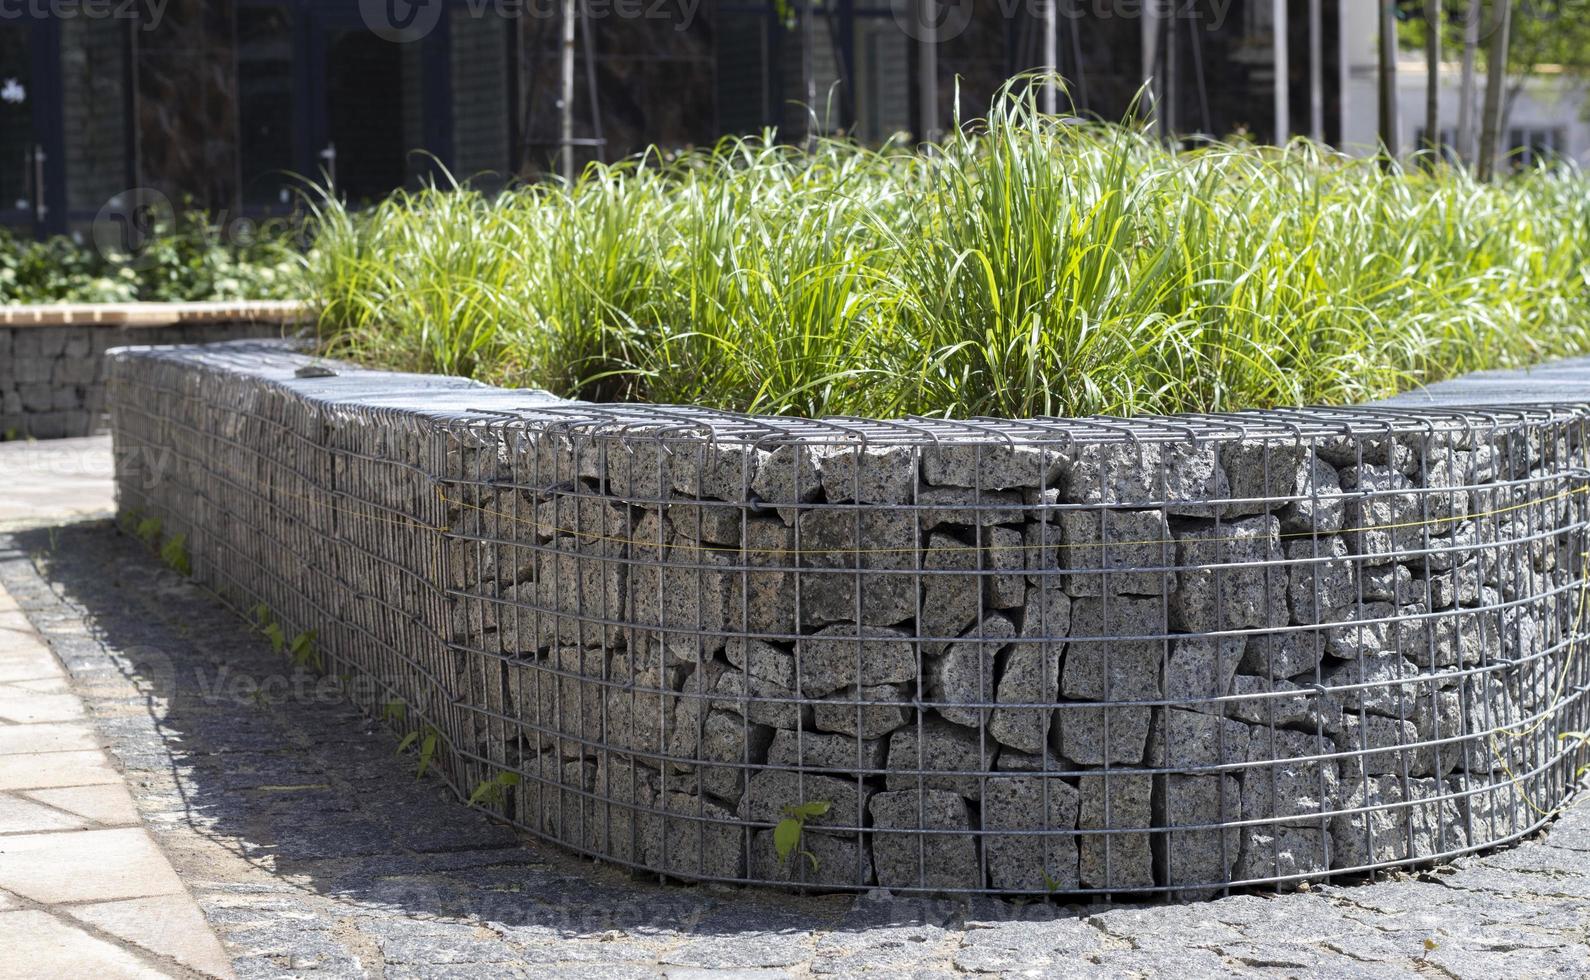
(1028, 266)
(183, 258)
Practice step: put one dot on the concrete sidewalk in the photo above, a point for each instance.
(83, 888)
(55, 480)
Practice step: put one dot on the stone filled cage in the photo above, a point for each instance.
(1160, 656)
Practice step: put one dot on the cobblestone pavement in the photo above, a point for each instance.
(315, 852)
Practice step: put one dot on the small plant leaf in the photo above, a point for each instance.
(175, 554)
(149, 531)
(408, 740)
(303, 651)
(786, 836)
(278, 639)
(427, 752)
(493, 789)
(810, 811)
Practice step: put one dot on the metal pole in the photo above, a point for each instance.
(1149, 40)
(808, 15)
(1316, 71)
(566, 92)
(1283, 71)
(928, 69)
(1168, 85)
(1049, 11)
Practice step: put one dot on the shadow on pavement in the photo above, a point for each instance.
(284, 779)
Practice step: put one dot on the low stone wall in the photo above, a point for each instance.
(52, 357)
(1158, 656)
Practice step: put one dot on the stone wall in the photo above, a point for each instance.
(1159, 656)
(52, 358)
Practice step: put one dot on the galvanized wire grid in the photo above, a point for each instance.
(1153, 656)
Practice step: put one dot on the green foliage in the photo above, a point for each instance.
(1553, 32)
(494, 790)
(175, 554)
(787, 834)
(1027, 266)
(265, 622)
(303, 653)
(428, 740)
(278, 639)
(148, 531)
(394, 712)
(184, 258)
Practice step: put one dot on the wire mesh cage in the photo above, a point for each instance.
(1156, 656)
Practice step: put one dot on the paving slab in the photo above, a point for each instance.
(23, 816)
(313, 851)
(38, 944)
(94, 865)
(41, 770)
(168, 925)
(51, 479)
(48, 737)
(108, 805)
(84, 889)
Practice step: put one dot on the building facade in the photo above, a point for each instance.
(229, 104)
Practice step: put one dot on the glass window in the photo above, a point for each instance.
(94, 83)
(480, 96)
(883, 77)
(743, 76)
(374, 112)
(265, 104)
(17, 98)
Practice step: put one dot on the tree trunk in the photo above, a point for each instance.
(1471, 43)
(1495, 83)
(1388, 79)
(1432, 84)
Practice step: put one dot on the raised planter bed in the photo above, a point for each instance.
(51, 356)
(1162, 656)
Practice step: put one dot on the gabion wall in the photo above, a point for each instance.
(1161, 656)
(52, 382)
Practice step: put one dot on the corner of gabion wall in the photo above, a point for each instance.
(1163, 656)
